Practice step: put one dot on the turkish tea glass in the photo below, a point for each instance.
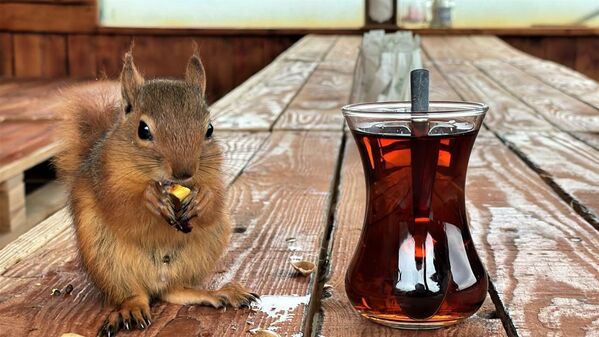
(415, 266)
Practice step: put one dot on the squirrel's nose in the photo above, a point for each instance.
(182, 175)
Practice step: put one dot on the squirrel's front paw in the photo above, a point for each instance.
(236, 295)
(194, 204)
(131, 314)
(159, 202)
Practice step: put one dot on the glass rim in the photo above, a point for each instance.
(375, 110)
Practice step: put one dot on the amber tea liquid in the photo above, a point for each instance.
(415, 265)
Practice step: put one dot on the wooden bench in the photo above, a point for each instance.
(29, 113)
(28, 116)
(297, 191)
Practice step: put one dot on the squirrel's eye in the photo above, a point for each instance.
(143, 131)
(209, 131)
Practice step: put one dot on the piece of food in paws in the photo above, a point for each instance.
(178, 191)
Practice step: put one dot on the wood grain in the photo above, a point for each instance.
(532, 244)
(33, 100)
(40, 55)
(82, 56)
(506, 112)
(318, 104)
(345, 50)
(440, 89)
(39, 205)
(38, 17)
(587, 59)
(567, 80)
(109, 52)
(12, 203)
(568, 164)
(23, 145)
(238, 148)
(6, 55)
(437, 50)
(29, 101)
(258, 107)
(257, 257)
(591, 138)
(562, 110)
(338, 317)
(498, 48)
(311, 48)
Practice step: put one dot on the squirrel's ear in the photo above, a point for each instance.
(195, 73)
(131, 80)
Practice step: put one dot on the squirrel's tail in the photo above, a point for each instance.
(90, 111)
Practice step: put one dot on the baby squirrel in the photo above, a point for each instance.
(119, 155)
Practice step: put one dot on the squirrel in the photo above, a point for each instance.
(118, 156)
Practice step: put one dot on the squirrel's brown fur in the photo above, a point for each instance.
(129, 250)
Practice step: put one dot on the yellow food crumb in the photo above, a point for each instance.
(180, 192)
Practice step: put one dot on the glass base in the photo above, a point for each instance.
(411, 325)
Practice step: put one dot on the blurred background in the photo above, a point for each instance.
(86, 38)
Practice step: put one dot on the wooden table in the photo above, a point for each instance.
(297, 191)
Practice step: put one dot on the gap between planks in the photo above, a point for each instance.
(312, 321)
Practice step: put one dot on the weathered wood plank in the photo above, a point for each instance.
(567, 163)
(33, 240)
(311, 48)
(282, 199)
(258, 107)
(12, 203)
(506, 112)
(317, 105)
(45, 18)
(440, 89)
(591, 138)
(562, 110)
(258, 102)
(285, 173)
(436, 48)
(23, 145)
(532, 243)
(6, 55)
(238, 149)
(345, 50)
(37, 55)
(39, 205)
(496, 48)
(32, 101)
(468, 48)
(562, 78)
(338, 316)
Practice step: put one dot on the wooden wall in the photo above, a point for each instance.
(229, 60)
(61, 38)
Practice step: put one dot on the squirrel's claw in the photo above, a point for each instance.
(107, 330)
